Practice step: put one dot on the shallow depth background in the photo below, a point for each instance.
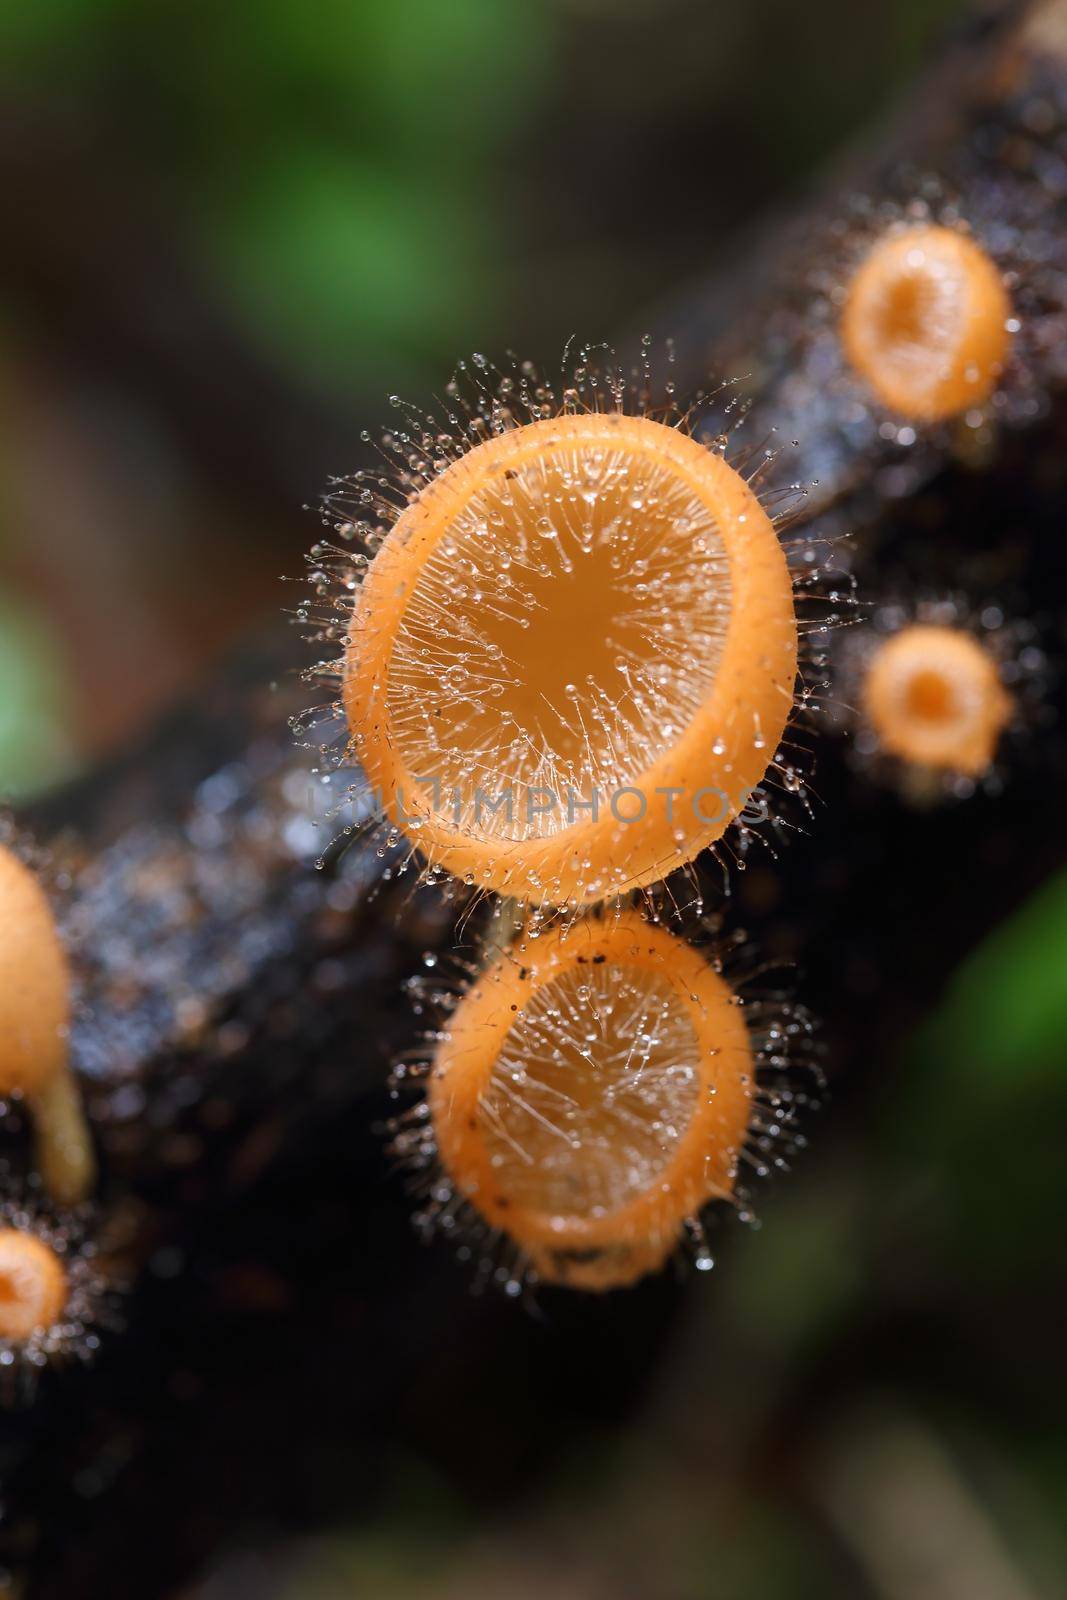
(230, 229)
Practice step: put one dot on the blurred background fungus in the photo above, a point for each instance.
(231, 229)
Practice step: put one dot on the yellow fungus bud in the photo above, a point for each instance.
(34, 1015)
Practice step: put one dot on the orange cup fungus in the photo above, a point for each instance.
(34, 1014)
(591, 1093)
(573, 657)
(933, 696)
(925, 322)
(33, 1285)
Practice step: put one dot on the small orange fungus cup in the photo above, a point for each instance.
(934, 698)
(591, 1093)
(572, 658)
(925, 323)
(33, 1285)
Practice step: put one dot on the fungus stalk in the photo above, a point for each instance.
(34, 1019)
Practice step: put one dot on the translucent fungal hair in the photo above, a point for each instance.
(34, 1017)
(933, 696)
(925, 322)
(591, 1093)
(571, 652)
(53, 1298)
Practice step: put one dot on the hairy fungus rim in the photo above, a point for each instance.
(615, 1266)
(703, 1165)
(753, 689)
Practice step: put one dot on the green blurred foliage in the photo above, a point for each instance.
(999, 1036)
(334, 159)
(351, 219)
(36, 747)
(35, 750)
(983, 1102)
